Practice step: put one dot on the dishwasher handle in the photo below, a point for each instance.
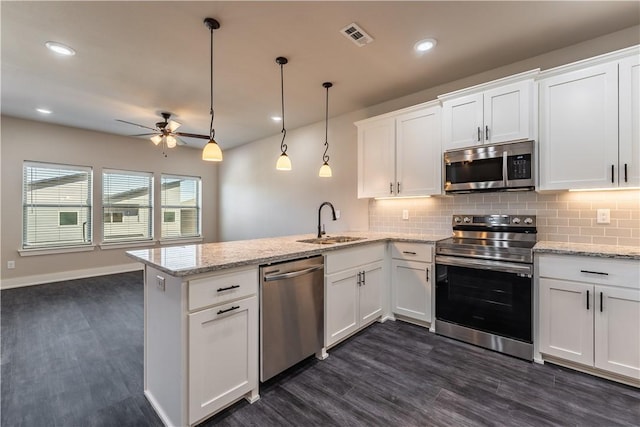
(293, 273)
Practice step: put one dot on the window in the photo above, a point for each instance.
(180, 207)
(56, 205)
(127, 206)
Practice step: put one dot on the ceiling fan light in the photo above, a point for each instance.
(284, 163)
(171, 141)
(156, 139)
(212, 152)
(173, 125)
(325, 171)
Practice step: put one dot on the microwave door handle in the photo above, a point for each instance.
(505, 169)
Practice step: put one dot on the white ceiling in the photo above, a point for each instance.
(135, 59)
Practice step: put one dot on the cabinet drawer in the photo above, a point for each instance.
(348, 258)
(412, 251)
(601, 271)
(222, 287)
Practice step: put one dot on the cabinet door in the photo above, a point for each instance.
(629, 162)
(508, 112)
(341, 302)
(370, 304)
(617, 330)
(566, 325)
(411, 289)
(462, 122)
(418, 153)
(223, 356)
(376, 158)
(579, 129)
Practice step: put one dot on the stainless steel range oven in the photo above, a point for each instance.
(484, 282)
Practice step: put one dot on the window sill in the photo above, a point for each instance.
(124, 245)
(56, 250)
(166, 242)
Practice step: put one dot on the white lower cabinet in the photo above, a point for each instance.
(223, 349)
(411, 281)
(354, 286)
(590, 312)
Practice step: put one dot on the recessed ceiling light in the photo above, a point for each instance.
(425, 45)
(276, 118)
(43, 111)
(60, 48)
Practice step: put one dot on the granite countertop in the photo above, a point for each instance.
(585, 249)
(188, 260)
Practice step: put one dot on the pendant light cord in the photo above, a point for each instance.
(325, 158)
(212, 131)
(283, 146)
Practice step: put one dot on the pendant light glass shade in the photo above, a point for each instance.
(325, 169)
(156, 139)
(284, 162)
(171, 141)
(173, 125)
(211, 151)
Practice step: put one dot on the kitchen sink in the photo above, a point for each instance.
(330, 240)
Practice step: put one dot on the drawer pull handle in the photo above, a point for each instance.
(228, 288)
(409, 253)
(594, 272)
(235, 307)
(427, 274)
(587, 300)
(600, 302)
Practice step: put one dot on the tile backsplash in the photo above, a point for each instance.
(562, 216)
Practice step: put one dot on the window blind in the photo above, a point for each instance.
(181, 206)
(56, 205)
(127, 206)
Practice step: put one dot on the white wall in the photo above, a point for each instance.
(37, 141)
(258, 201)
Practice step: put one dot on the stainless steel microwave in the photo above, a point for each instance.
(498, 167)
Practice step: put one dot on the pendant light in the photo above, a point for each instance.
(283, 163)
(325, 169)
(211, 152)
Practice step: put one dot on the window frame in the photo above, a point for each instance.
(87, 244)
(163, 206)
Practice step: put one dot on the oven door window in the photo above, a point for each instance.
(483, 170)
(491, 301)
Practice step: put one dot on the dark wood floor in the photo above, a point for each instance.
(72, 356)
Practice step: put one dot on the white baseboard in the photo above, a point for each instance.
(39, 279)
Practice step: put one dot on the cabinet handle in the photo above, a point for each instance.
(409, 253)
(228, 287)
(612, 174)
(587, 300)
(359, 278)
(486, 133)
(600, 302)
(398, 192)
(235, 307)
(625, 173)
(427, 274)
(594, 272)
(479, 137)
(391, 188)
(364, 279)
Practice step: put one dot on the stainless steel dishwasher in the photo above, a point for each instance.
(291, 313)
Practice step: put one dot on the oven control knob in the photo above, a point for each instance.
(457, 220)
(516, 220)
(467, 220)
(528, 221)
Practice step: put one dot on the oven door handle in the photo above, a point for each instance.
(483, 264)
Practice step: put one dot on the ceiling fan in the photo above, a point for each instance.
(165, 132)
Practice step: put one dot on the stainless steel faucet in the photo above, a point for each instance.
(333, 214)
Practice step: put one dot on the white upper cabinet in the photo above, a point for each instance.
(589, 123)
(498, 111)
(399, 154)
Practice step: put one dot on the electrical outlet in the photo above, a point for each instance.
(338, 214)
(11, 265)
(405, 214)
(160, 283)
(603, 216)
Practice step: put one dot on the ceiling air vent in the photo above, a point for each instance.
(356, 34)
